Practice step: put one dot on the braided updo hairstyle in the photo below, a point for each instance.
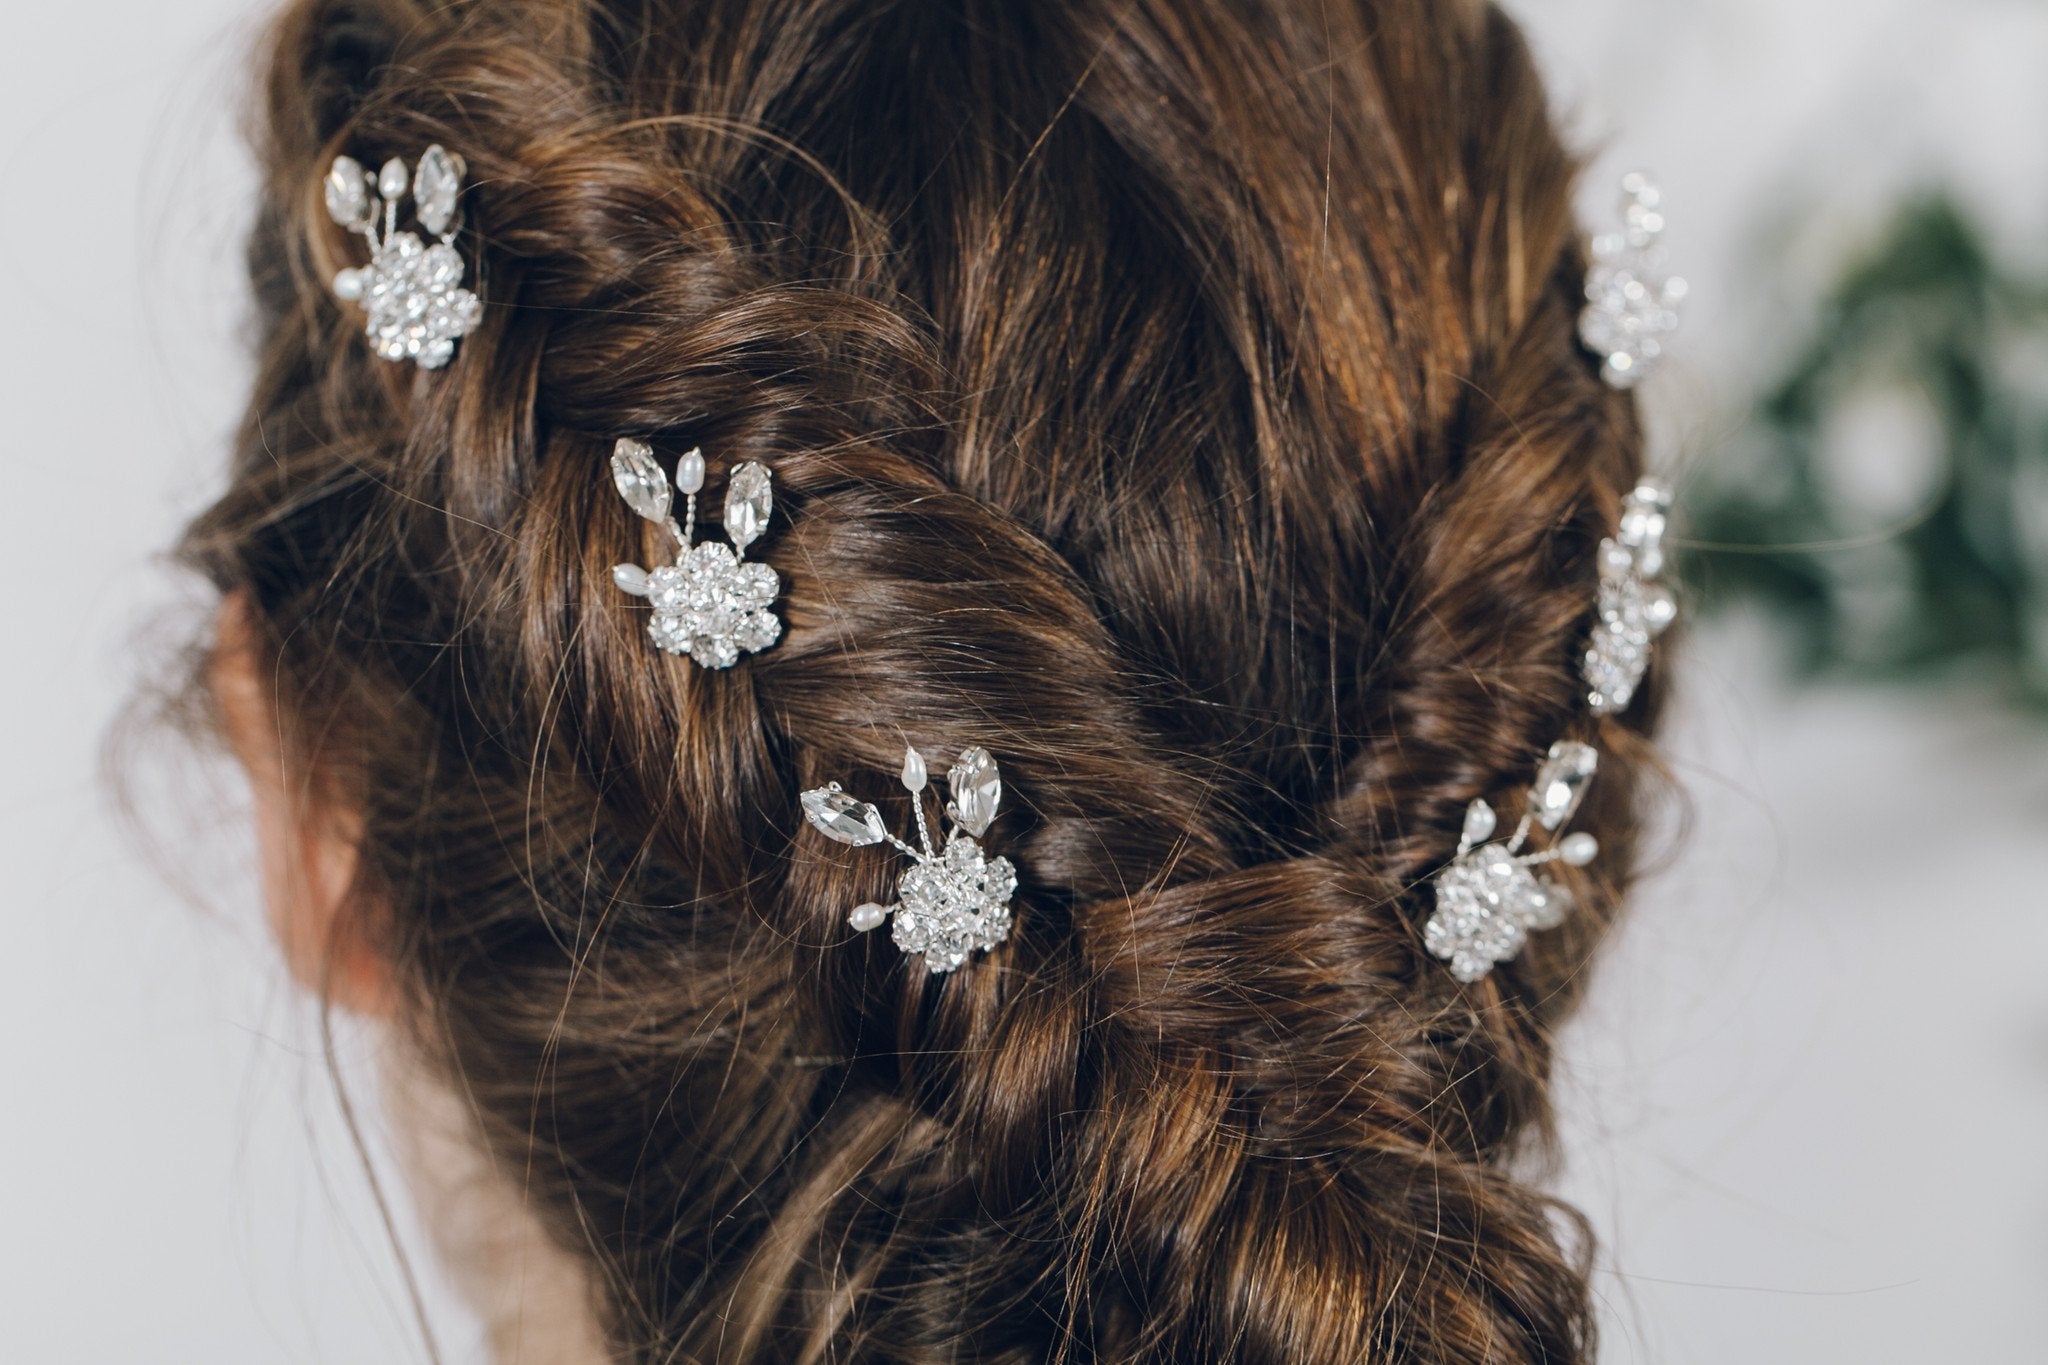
(1178, 398)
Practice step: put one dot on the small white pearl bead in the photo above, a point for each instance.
(1579, 849)
(868, 916)
(690, 472)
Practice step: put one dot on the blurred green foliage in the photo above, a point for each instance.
(1889, 498)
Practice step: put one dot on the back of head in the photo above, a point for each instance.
(1179, 398)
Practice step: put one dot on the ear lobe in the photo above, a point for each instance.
(308, 848)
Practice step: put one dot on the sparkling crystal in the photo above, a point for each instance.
(1644, 514)
(1613, 668)
(838, 816)
(954, 904)
(348, 194)
(690, 471)
(1487, 902)
(1478, 918)
(640, 480)
(1480, 822)
(1631, 300)
(868, 916)
(1561, 782)
(914, 773)
(632, 578)
(712, 605)
(435, 188)
(976, 785)
(749, 500)
(1633, 610)
(391, 180)
(415, 304)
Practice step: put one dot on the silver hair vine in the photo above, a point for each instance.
(1489, 898)
(955, 899)
(712, 603)
(411, 290)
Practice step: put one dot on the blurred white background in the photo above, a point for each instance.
(1806, 1108)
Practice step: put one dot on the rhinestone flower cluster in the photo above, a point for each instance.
(1632, 301)
(1634, 608)
(411, 290)
(1489, 897)
(712, 604)
(953, 901)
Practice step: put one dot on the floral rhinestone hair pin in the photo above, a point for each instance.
(411, 290)
(1489, 897)
(954, 899)
(712, 603)
(1634, 607)
(1632, 300)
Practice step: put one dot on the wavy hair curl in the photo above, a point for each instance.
(1178, 397)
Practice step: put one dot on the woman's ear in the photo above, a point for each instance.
(308, 847)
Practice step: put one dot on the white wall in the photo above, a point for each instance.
(1806, 1105)
(175, 1183)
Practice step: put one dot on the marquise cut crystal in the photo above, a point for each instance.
(639, 479)
(749, 502)
(1561, 782)
(348, 194)
(838, 816)
(435, 186)
(976, 785)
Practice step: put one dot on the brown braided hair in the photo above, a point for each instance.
(1179, 398)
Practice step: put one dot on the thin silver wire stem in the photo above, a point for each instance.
(1521, 834)
(924, 831)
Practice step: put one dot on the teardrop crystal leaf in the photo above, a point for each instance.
(640, 480)
(914, 772)
(392, 180)
(977, 788)
(1480, 823)
(749, 501)
(839, 816)
(1561, 782)
(435, 186)
(348, 194)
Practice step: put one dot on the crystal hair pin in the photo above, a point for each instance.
(1634, 608)
(1632, 301)
(952, 901)
(712, 603)
(1489, 897)
(411, 290)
